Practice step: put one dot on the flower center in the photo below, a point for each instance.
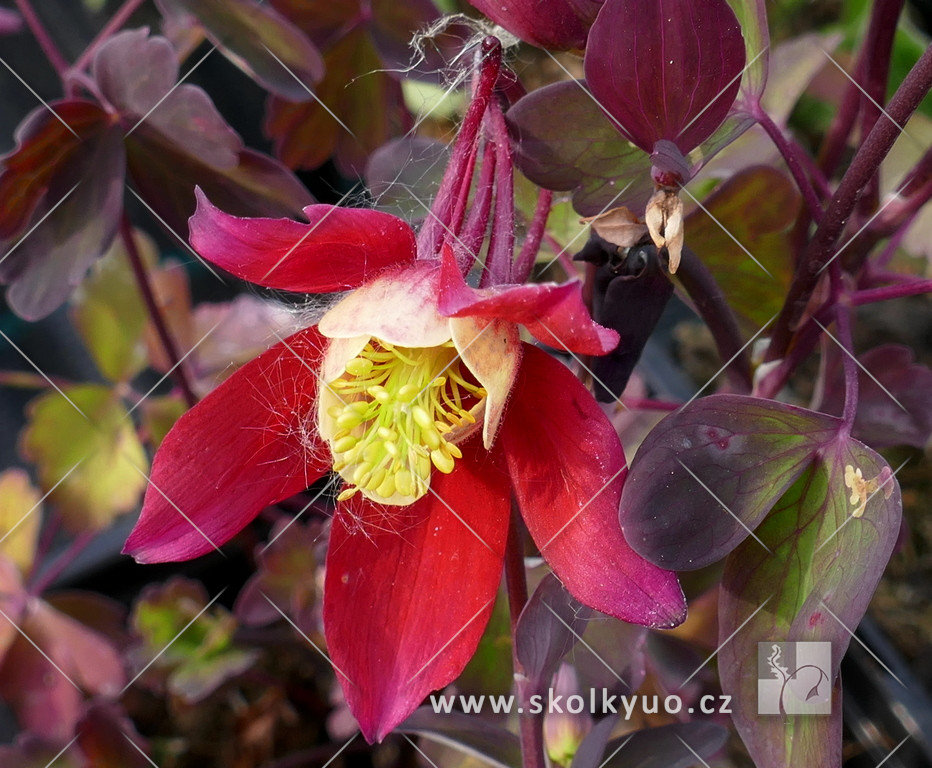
(401, 412)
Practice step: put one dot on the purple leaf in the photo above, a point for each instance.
(894, 396)
(468, 734)
(547, 629)
(109, 738)
(257, 186)
(368, 102)
(67, 213)
(259, 40)
(669, 69)
(829, 537)
(559, 25)
(138, 75)
(593, 160)
(669, 746)
(611, 655)
(744, 450)
(591, 752)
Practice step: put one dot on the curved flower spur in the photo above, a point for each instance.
(417, 391)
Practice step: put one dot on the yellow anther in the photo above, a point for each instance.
(442, 461)
(455, 452)
(407, 393)
(387, 488)
(403, 482)
(359, 366)
(362, 474)
(431, 438)
(422, 417)
(348, 420)
(344, 444)
(404, 409)
(347, 493)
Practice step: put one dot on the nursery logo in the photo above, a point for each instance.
(793, 678)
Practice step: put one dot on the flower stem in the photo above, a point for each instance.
(55, 57)
(155, 313)
(524, 263)
(114, 24)
(863, 166)
(887, 292)
(791, 154)
(843, 324)
(76, 546)
(532, 725)
(439, 224)
(881, 27)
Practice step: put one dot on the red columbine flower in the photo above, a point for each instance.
(416, 390)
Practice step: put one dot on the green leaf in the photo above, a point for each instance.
(87, 454)
(193, 647)
(20, 517)
(109, 313)
(746, 219)
(708, 474)
(829, 538)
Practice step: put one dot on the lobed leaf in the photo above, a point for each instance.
(707, 474)
(547, 629)
(100, 471)
(743, 230)
(68, 198)
(109, 314)
(260, 41)
(20, 518)
(138, 75)
(593, 160)
(830, 536)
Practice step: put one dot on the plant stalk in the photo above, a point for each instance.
(532, 725)
(178, 372)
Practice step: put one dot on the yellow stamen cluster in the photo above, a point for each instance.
(401, 412)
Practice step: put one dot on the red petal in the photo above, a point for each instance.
(409, 590)
(567, 469)
(553, 313)
(339, 249)
(249, 443)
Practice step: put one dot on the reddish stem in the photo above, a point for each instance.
(502, 235)
(791, 154)
(116, 22)
(524, 264)
(887, 292)
(845, 338)
(155, 313)
(449, 202)
(532, 730)
(76, 546)
(863, 166)
(55, 57)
